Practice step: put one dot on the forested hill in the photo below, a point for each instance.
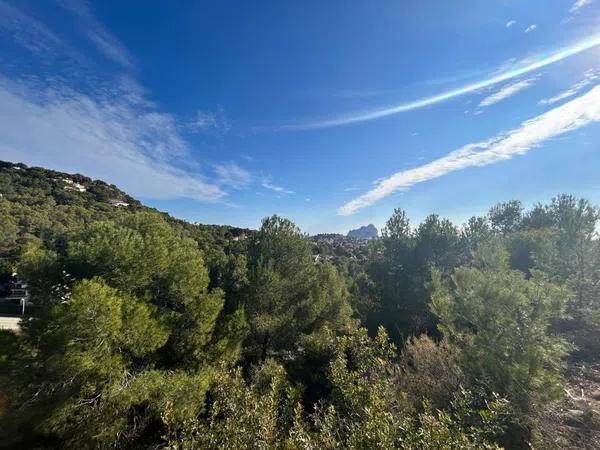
(19, 183)
(144, 331)
(43, 203)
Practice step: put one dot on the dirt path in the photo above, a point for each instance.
(574, 422)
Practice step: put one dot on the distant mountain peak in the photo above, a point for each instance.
(365, 232)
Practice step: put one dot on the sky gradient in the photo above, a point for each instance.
(329, 113)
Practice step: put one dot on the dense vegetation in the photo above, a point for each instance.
(149, 332)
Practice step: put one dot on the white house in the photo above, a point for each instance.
(73, 186)
(118, 203)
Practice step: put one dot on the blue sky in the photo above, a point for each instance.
(329, 113)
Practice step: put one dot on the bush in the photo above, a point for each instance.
(430, 371)
(364, 410)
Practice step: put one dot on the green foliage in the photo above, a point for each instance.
(400, 268)
(363, 295)
(500, 322)
(146, 331)
(363, 412)
(241, 416)
(125, 328)
(561, 240)
(366, 409)
(39, 203)
(506, 217)
(289, 297)
(528, 248)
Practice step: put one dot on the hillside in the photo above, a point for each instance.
(44, 203)
(146, 331)
(38, 204)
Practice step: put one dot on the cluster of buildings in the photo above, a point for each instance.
(73, 186)
(330, 247)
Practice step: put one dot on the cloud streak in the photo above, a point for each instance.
(96, 32)
(531, 28)
(28, 32)
(538, 63)
(267, 184)
(230, 174)
(579, 4)
(588, 79)
(531, 134)
(507, 91)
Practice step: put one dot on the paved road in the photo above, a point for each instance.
(9, 323)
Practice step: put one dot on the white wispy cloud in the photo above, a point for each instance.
(531, 134)
(27, 31)
(531, 28)
(510, 23)
(579, 4)
(137, 148)
(209, 120)
(230, 174)
(268, 184)
(588, 79)
(507, 91)
(108, 44)
(529, 65)
(71, 116)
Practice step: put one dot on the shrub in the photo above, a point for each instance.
(430, 371)
(500, 321)
(364, 410)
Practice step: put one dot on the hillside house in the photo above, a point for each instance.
(73, 186)
(118, 203)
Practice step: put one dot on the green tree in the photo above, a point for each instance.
(125, 328)
(290, 297)
(530, 247)
(474, 233)
(400, 267)
(506, 217)
(577, 255)
(568, 250)
(500, 321)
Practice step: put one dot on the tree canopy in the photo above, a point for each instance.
(145, 331)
